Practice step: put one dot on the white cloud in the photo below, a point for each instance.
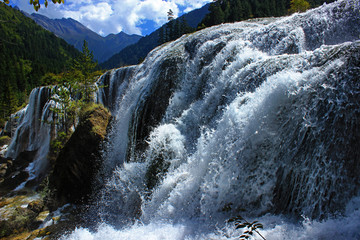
(113, 16)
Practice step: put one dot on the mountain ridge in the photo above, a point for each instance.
(27, 52)
(75, 33)
(132, 54)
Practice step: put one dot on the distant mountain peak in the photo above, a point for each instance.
(75, 33)
(132, 54)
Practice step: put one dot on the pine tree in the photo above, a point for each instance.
(9, 101)
(162, 38)
(83, 69)
(170, 15)
(61, 109)
(217, 14)
(74, 88)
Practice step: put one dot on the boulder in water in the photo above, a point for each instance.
(79, 161)
(13, 172)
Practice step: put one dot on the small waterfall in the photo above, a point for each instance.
(33, 126)
(112, 86)
(33, 132)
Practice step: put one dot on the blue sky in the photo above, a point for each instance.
(112, 16)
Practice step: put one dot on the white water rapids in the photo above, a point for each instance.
(258, 118)
(258, 115)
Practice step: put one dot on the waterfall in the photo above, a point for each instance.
(33, 131)
(260, 115)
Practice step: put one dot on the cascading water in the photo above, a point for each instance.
(258, 115)
(33, 132)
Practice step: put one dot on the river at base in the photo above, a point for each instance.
(342, 227)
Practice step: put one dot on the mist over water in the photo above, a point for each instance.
(261, 115)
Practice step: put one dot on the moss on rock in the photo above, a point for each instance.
(78, 162)
(4, 140)
(15, 217)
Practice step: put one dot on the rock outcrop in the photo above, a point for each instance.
(79, 160)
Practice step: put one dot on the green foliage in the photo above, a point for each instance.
(27, 53)
(173, 30)
(37, 4)
(84, 77)
(87, 108)
(8, 100)
(50, 78)
(64, 107)
(298, 6)
(251, 227)
(74, 90)
(238, 10)
(57, 144)
(4, 140)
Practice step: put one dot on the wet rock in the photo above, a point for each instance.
(151, 110)
(20, 220)
(5, 140)
(13, 172)
(79, 161)
(36, 206)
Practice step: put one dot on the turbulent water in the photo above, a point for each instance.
(259, 118)
(259, 115)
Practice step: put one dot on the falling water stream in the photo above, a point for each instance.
(259, 118)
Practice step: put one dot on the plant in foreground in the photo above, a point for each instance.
(251, 227)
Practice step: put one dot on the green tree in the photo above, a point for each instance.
(9, 101)
(84, 73)
(170, 15)
(27, 53)
(238, 10)
(298, 6)
(162, 36)
(62, 107)
(74, 89)
(37, 4)
(50, 78)
(217, 14)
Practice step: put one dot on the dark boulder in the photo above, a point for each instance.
(13, 172)
(78, 162)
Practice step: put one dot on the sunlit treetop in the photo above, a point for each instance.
(36, 3)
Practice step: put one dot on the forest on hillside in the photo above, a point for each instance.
(221, 11)
(225, 11)
(27, 53)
